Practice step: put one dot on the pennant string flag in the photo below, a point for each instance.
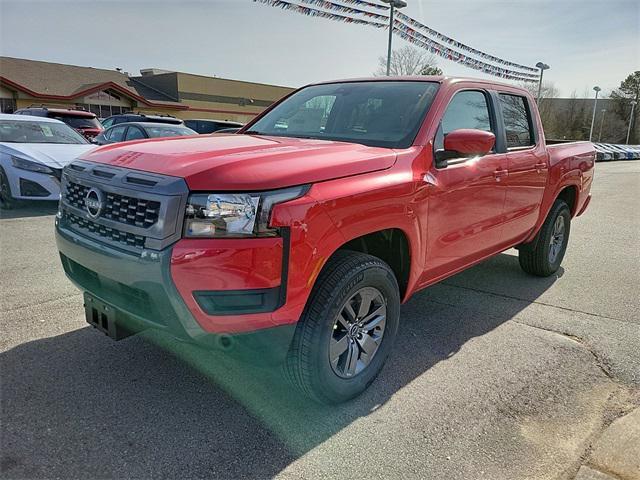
(407, 33)
(326, 4)
(312, 12)
(444, 52)
(401, 16)
(362, 3)
(344, 9)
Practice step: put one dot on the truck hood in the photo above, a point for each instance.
(54, 155)
(245, 162)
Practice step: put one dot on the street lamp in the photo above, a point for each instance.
(633, 104)
(593, 117)
(604, 111)
(542, 67)
(394, 4)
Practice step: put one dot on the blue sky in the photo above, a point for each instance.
(585, 42)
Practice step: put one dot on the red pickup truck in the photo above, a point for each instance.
(297, 239)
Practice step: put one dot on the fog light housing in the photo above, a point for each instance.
(32, 189)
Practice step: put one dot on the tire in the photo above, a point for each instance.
(7, 202)
(544, 256)
(353, 278)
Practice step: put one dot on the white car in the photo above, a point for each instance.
(33, 151)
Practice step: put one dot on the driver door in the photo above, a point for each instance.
(466, 198)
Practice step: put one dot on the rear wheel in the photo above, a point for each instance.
(545, 256)
(347, 330)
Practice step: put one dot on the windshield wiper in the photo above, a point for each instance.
(252, 132)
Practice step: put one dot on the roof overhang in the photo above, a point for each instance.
(99, 87)
(118, 88)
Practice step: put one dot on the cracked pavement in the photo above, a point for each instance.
(495, 375)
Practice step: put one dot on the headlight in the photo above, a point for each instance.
(223, 215)
(23, 164)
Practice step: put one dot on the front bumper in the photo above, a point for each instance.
(143, 291)
(27, 185)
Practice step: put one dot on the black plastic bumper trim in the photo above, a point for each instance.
(238, 302)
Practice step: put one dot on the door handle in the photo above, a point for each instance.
(540, 167)
(498, 174)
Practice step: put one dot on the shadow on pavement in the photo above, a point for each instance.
(27, 209)
(93, 408)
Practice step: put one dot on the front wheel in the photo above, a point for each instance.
(347, 329)
(6, 200)
(545, 257)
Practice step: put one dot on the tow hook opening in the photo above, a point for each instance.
(225, 342)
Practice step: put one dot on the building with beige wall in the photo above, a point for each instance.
(211, 97)
(24, 83)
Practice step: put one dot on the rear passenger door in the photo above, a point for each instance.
(527, 161)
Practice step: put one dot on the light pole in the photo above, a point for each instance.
(394, 4)
(593, 117)
(542, 67)
(633, 104)
(604, 112)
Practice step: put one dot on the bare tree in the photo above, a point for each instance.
(628, 91)
(409, 60)
(548, 91)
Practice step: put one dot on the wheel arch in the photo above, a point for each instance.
(569, 193)
(391, 245)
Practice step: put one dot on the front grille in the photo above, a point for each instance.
(89, 227)
(75, 194)
(132, 211)
(119, 208)
(136, 210)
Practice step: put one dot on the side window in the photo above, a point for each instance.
(107, 123)
(517, 121)
(207, 127)
(193, 125)
(134, 133)
(116, 134)
(468, 109)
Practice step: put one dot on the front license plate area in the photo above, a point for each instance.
(103, 317)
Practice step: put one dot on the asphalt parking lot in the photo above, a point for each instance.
(495, 374)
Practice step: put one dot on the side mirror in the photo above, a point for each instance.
(99, 140)
(464, 143)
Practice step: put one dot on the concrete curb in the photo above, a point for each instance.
(616, 452)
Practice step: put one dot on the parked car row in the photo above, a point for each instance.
(90, 126)
(140, 117)
(202, 126)
(124, 132)
(607, 151)
(38, 142)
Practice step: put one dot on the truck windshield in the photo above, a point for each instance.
(379, 114)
